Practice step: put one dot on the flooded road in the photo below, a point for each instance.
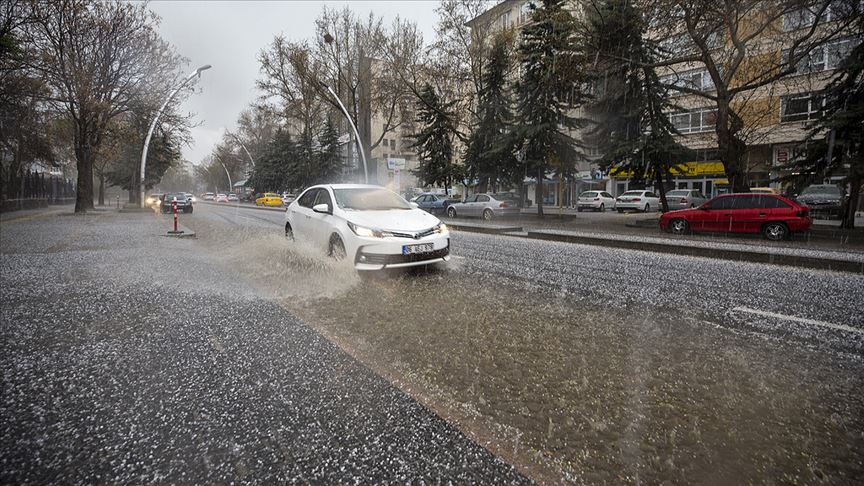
(589, 364)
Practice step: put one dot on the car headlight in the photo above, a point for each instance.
(158, 202)
(441, 228)
(367, 232)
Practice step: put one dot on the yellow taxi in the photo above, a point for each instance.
(269, 199)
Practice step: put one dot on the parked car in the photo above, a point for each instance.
(269, 199)
(191, 197)
(209, 196)
(433, 203)
(370, 226)
(596, 200)
(637, 200)
(514, 199)
(775, 216)
(222, 198)
(485, 206)
(184, 204)
(154, 200)
(684, 198)
(823, 199)
(288, 198)
(233, 197)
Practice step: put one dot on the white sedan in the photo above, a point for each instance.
(370, 225)
(637, 200)
(596, 200)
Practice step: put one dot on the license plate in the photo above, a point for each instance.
(412, 249)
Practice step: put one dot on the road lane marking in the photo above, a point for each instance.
(813, 322)
(457, 257)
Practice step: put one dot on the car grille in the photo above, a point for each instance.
(413, 236)
(377, 259)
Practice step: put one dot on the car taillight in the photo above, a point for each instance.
(637, 199)
(503, 205)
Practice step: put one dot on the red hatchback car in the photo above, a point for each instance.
(776, 217)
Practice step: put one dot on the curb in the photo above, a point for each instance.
(486, 229)
(707, 252)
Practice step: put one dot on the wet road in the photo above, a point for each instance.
(128, 358)
(604, 365)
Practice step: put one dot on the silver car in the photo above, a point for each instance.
(485, 206)
(685, 199)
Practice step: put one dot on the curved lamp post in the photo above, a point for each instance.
(243, 146)
(230, 184)
(356, 133)
(197, 72)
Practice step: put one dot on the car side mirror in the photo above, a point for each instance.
(414, 204)
(321, 208)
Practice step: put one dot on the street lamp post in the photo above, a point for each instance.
(197, 72)
(251, 160)
(230, 184)
(354, 127)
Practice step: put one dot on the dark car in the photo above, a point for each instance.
(824, 199)
(184, 204)
(433, 203)
(776, 217)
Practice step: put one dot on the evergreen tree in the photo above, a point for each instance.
(549, 89)
(490, 155)
(434, 143)
(330, 161)
(836, 143)
(303, 167)
(630, 105)
(273, 171)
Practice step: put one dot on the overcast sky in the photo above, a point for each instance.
(229, 35)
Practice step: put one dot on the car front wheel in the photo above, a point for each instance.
(487, 215)
(337, 248)
(679, 226)
(289, 232)
(775, 231)
(451, 212)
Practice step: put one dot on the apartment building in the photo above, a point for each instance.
(775, 116)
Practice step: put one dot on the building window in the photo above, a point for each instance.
(801, 107)
(694, 121)
(824, 57)
(505, 20)
(525, 12)
(698, 79)
(803, 18)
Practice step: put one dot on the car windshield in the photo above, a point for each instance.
(829, 190)
(368, 199)
(180, 197)
(589, 194)
(677, 193)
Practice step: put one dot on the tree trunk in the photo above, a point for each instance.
(848, 221)
(661, 188)
(731, 147)
(101, 189)
(538, 192)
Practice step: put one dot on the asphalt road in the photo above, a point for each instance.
(129, 358)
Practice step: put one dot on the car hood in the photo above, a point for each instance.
(819, 197)
(393, 219)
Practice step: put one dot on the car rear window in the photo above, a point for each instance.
(677, 193)
(588, 194)
(633, 193)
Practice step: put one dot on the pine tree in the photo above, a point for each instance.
(549, 89)
(836, 143)
(330, 162)
(631, 106)
(274, 171)
(490, 155)
(434, 143)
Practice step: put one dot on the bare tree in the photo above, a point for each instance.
(96, 58)
(745, 45)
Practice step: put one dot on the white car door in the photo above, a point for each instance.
(301, 214)
(321, 224)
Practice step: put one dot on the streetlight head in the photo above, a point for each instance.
(323, 84)
(328, 38)
(203, 68)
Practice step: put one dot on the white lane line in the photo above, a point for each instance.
(457, 257)
(839, 327)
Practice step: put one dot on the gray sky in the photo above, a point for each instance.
(229, 35)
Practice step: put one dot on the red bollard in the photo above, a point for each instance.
(174, 205)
